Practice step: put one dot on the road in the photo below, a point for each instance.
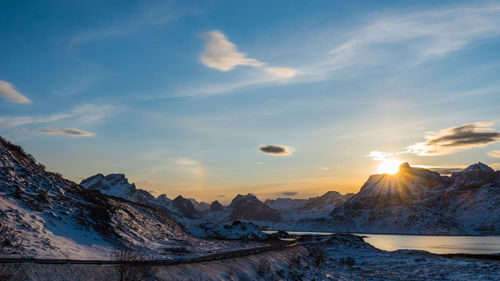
(273, 246)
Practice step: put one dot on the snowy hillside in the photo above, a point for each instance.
(58, 218)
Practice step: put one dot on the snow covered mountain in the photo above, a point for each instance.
(473, 197)
(417, 200)
(248, 207)
(117, 185)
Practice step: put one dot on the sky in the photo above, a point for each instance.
(209, 99)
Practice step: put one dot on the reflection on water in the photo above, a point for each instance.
(433, 244)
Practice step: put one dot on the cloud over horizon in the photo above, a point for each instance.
(446, 171)
(494, 153)
(72, 132)
(279, 150)
(8, 92)
(452, 139)
(289, 193)
(223, 55)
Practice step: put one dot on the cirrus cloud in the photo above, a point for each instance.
(279, 150)
(450, 140)
(281, 71)
(9, 92)
(72, 132)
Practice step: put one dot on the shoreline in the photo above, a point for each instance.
(473, 256)
(382, 233)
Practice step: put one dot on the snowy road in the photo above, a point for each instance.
(274, 246)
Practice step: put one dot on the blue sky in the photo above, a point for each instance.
(183, 97)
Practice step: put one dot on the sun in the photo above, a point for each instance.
(389, 166)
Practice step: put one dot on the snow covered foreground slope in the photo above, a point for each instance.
(58, 218)
(338, 257)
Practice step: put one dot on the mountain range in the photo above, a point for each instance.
(412, 201)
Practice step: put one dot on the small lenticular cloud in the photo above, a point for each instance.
(449, 140)
(289, 193)
(273, 149)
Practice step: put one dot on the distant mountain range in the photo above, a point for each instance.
(413, 201)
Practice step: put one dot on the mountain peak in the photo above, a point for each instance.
(249, 207)
(248, 197)
(404, 166)
(179, 197)
(478, 167)
(216, 206)
(163, 197)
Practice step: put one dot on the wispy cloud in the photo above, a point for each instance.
(184, 161)
(494, 153)
(223, 55)
(8, 92)
(147, 16)
(450, 140)
(414, 37)
(281, 71)
(290, 193)
(273, 149)
(72, 132)
(380, 155)
(82, 115)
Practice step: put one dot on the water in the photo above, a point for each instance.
(430, 243)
